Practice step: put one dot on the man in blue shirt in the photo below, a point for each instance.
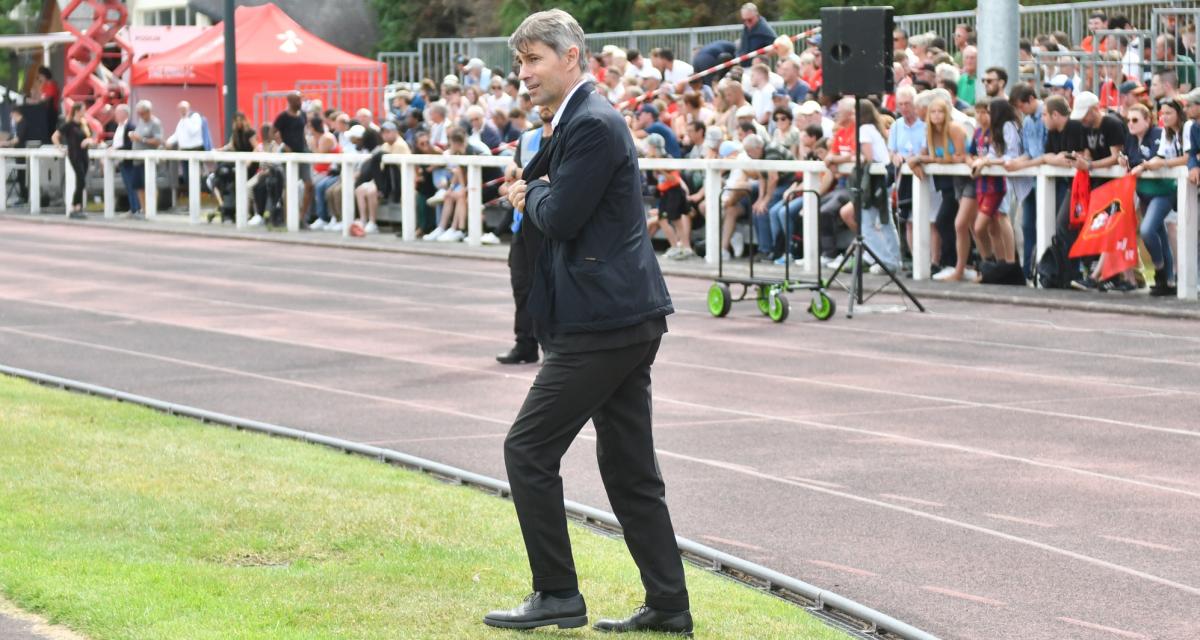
(756, 33)
(906, 139)
(648, 123)
(1033, 146)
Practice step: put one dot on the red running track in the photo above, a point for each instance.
(979, 471)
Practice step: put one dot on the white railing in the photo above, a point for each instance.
(1187, 197)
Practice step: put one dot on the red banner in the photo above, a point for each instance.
(1111, 227)
(1080, 197)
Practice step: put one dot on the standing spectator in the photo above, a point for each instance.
(476, 74)
(966, 80)
(1148, 148)
(46, 91)
(188, 136)
(1098, 21)
(674, 72)
(1002, 137)
(289, 128)
(1165, 50)
(1033, 146)
(906, 140)
(123, 142)
(945, 144)
(711, 55)
(756, 33)
(147, 134)
(75, 135)
(964, 34)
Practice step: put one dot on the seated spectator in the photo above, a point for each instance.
(481, 130)
(786, 135)
(648, 123)
(738, 193)
(266, 186)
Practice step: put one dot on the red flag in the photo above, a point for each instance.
(1080, 196)
(1111, 227)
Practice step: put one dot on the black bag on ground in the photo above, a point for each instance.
(1053, 269)
(1002, 273)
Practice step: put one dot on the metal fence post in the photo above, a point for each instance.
(193, 191)
(712, 215)
(110, 189)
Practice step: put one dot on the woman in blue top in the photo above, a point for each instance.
(945, 143)
(1148, 147)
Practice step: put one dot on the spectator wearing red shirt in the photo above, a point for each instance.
(47, 92)
(1096, 22)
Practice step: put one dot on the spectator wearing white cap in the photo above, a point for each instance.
(650, 78)
(1061, 85)
(476, 74)
(809, 114)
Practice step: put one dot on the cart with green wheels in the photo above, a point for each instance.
(769, 294)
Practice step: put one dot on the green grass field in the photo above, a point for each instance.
(121, 522)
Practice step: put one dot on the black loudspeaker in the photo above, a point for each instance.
(856, 50)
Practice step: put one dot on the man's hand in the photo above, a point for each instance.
(1194, 176)
(516, 195)
(760, 207)
(1082, 163)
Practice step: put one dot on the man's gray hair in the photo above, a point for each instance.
(752, 141)
(750, 7)
(554, 28)
(143, 105)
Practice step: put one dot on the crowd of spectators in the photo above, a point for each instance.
(1129, 102)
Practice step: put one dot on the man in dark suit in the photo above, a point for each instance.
(599, 305)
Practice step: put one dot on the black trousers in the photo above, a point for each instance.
(522, 256)
(612, 388)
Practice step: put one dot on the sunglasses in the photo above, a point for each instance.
(781, 119)
(1134, 120)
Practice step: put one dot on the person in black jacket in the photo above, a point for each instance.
(756, 33)
(598, 303)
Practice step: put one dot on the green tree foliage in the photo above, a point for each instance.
(594, 16)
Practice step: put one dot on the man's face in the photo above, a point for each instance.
(458, 148)
(788, 71)
(1054, 121)
(645, 119)
(749, 19)
(754, 152)
(899, 41)
(960, 37)
(970, 60)
(547, 75)
(476, 121)
(546, 114)
(389, 135)
(1091, 119)
(992, 84)
(423, 145)
(904, 105)
(1156, 87)
(1029, 107)
(659, 62)
(144, 114)
(695, 136)
(1095, 24)
(1193, 111)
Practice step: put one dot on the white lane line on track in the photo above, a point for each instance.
(701, 423)
(1178, 481)
(820, 483)
(291, 290)
(926, 503)
(1142, 543)
(736, 468)
(735, 543)
(841, 567)
(895, 438)
(931, 398)
(781, 346)
(969, 597)
(391, 441)
(1099, 627)
(1033, 523)
(790, 379)
(945, 520)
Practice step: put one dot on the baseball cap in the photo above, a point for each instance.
(475, 63)
(610, 48)
(649, 72)
(658, 142)
(744, 111)
(728, 148)
(389, 126)
(460, 59)
(1061, 81)
(810, 107)
(648, 108)
(1127, 87)
(1192, 97)
(450, 80)
(815, 40)
(1083, 103)
(356, 131)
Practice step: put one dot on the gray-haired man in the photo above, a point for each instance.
(583, 191)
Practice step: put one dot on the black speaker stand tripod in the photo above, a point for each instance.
(858, 247)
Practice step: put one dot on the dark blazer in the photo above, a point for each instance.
(597, 270)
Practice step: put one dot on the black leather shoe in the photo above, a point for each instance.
(540, 610)
(517, 355)
(648, 619)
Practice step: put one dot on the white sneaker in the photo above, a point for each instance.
(371, 228)
(726, 255)
(318, 225)
(685, 253)
(256, 221)
(433, 235)
(738, 243)
(335, 226)
(970, 275)
(946, 272)
(489, 238)
(830, 261)
(453, 235)
(437, 198)
(672, 253)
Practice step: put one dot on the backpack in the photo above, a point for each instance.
(1053, 269)
(1002, 273)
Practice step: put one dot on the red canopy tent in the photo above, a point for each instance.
(273, 54)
